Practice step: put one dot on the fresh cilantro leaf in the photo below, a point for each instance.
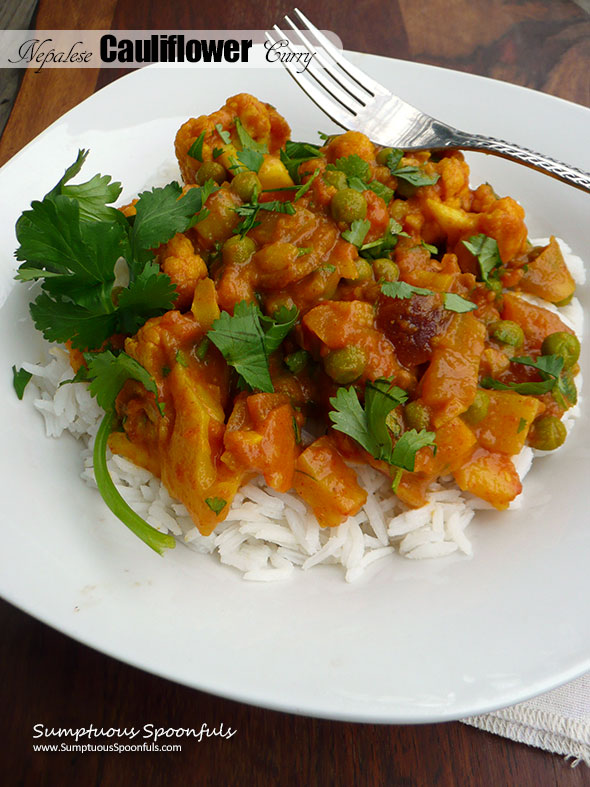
(161, 213)
(349, 417)
(61, 320)
(249, 213)
(527, 389)
(455, 303)
(357, 232)
(93, 198)
(294, 154)
(306, 186)
(108, 373)
(217, 152)
(565, 392)
(381, 190)
(247, 338)
(196, 149)
(487, 253)
(400, 289)
(216, 504)
(368, 426)
(429, 247)
(380, 247)
(251, 159)
(522, 424)
(394, 159)
(246, 140)
(405, 449)
(548, 366)
(328, 268)
(150, 294)
(202, 348)
(353, 166)
(70, 173)
(357, 184)
(225, 135)
(415, 176)
(381, 397)
(20, 379)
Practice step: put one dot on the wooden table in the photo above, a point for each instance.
(49, 679)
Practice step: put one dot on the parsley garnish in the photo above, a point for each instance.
(488, 256)
(20, 379)
(368, 425)
(196, 149)
(247, 339)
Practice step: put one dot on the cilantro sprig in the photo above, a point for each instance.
(415, 176)
(451, 301)
(71, 241)
(294, 154)
(485, 249)
(553, 380)
(247, 338)
(368, 425)
(358, 172)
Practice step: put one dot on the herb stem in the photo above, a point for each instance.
(111, 496)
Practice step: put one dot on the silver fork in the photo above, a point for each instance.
(355, 101)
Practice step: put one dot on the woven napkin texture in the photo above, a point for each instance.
(558, 721)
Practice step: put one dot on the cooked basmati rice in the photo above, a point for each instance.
(267, 533)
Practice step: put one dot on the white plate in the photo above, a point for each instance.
(409, 642)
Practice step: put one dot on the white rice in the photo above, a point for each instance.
(266, 534)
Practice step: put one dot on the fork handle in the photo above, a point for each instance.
(499, 147)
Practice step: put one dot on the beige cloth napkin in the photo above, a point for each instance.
(558, 721)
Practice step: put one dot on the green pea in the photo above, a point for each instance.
(547, 433)
(297, 361)
(335, 178)
(348, 205)
(238, 250)
(385, 269)
(565, 301)
(478, 409)
(245, 185)
(496, 286)
(507, 332)
(566, 345)
(363, 270)
(383, 155)
(211, 170)
(417, 416)
(345, 365)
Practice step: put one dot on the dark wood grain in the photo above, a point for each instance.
(47, 678)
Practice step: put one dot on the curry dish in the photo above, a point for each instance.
(342, 304)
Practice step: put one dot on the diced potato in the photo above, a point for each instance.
(449, 384)
(327, 484)
(273, 174)
(490, 476)
(506, 425)
(547, 276)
